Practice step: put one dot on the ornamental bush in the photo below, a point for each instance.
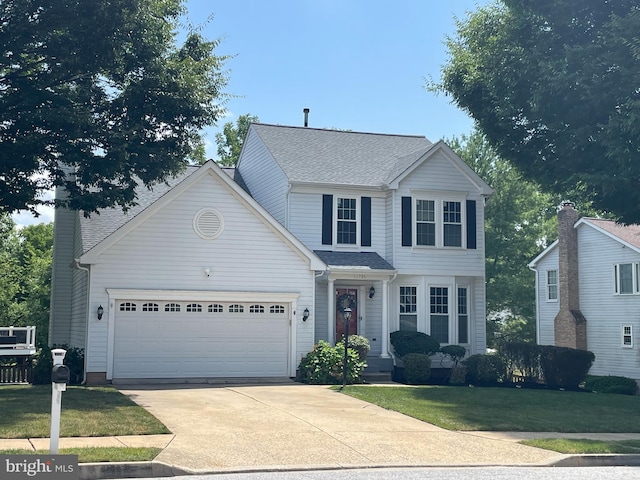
(611, 384)
(361, 345)
(324, 364)
(521, 358)
(484, 369)
(564, 367)
(405, 342)
(417, 368)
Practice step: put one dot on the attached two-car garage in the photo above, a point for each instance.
(191, 339)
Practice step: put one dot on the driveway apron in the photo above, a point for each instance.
(295, 426)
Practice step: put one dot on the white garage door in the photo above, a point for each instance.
(169, 339)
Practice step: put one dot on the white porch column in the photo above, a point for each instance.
(331, 311)
(385, 319)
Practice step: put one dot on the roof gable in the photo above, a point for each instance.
(628, 235)
(90, 255)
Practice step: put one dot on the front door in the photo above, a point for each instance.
(346, 297)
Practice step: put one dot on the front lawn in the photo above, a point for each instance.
(508, 409)
(585, 446)
(86, 412)
(98, 454)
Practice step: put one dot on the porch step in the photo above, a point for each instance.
(377, 377)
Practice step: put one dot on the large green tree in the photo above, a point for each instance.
(104, 87)
(519, 221)
(555, 86)
(231, 138)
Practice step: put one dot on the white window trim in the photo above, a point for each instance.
(439, 219)
(630, 335)
(547, 284)
(358, 223)
(635, 273)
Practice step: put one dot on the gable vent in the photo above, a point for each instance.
(208, 223)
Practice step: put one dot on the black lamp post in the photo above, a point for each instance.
(346, 316)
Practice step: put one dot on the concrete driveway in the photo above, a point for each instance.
(295, 426)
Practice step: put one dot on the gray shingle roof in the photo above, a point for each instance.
(369, 260)
(340, 157)
(98, 227)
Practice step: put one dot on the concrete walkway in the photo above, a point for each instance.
(297, 427)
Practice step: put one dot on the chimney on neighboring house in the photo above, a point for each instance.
(306, 116)
(570, 326)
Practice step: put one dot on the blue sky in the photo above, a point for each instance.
(356, 64)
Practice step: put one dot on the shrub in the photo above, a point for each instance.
(611, 384)
(521, 358)
(417, 368)
(43, 364)
(564, 367)
(454, 352)
(361, 345)
(458, 375)
(405, 342)
(484, 369)
(41, 367)
(324, 364)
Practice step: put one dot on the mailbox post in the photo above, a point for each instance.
(60, 376)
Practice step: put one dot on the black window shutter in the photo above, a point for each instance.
(365, 216)
(471, 224)
(406, 222)
(327, 219)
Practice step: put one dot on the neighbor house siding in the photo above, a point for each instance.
(547, 311)
(605, 311)
(77, 327)
(264, 178)
(164, 253)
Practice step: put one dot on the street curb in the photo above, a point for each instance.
(599, 460)
(105, 471)
(99, 471)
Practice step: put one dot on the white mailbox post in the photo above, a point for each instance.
(59, 379)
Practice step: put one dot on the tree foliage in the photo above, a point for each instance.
(231, 138)
(104, 88)
(25, 276)
(554, 86)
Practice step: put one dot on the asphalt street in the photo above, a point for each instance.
(472, 473)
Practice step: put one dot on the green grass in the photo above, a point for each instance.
(86, 412)
(508, 409)
(585, 446)
(98, 454)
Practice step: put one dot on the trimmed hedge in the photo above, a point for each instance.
(484, 369)
(417, 368)
(564, 367)
(405, 342)
(611, 384)
(361, 345)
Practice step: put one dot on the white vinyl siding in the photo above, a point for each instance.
(164, 251)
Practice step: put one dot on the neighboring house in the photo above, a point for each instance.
(214, 277)
(588, 291)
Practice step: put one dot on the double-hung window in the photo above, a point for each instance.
(425, 222)
(347, 221)
(463, 315)
(408, 308)
(439, 313)
(452, 223)
(627, 336)
(552, 285)
(626, 278)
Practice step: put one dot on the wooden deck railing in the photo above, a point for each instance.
(15, 373)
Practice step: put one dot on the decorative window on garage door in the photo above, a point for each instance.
(236, 308)
(276, 309)
(150, 307)
(256, 309)
(194, 307)
(127, 307)
(215, 308)
(172, 307)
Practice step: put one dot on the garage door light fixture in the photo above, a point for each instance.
(100, 312)
(305, 315)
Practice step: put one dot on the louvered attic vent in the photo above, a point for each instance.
(208, 223)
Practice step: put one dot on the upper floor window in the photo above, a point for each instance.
(438, 222)
(452, 224)
(627, 336)
(408, 309)
(347, 222)
(626, 278)
(552, 285)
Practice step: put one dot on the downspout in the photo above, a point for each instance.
(76, 264)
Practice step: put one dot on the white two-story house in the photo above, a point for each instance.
(238, 274)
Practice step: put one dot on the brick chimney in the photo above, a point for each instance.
(570, 326)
